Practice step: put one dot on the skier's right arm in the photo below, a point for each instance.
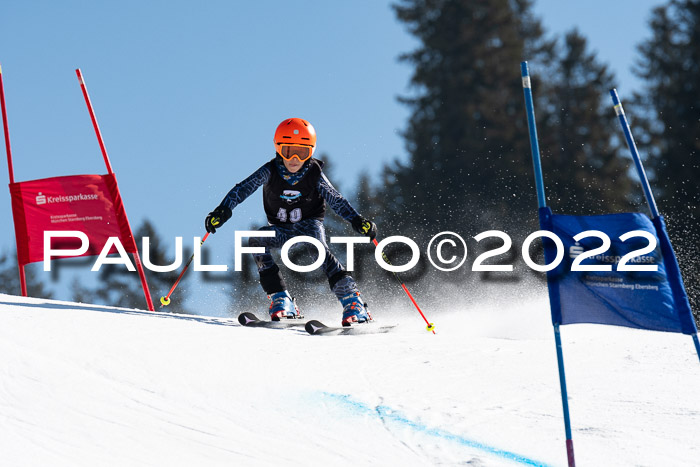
(236, 196)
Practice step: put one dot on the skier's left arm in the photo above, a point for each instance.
(344, 209)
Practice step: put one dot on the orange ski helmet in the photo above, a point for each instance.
(295, 131)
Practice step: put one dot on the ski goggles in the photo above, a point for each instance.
(288, 151)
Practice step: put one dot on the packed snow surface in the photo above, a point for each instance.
(84, 385)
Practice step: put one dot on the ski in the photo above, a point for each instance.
(316, 328)
(250, 320)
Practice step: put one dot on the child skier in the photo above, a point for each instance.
(295, 191)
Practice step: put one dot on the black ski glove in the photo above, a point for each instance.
(365, 227)
(216, 218)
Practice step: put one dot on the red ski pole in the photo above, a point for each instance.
(165, 301)
(430, 326)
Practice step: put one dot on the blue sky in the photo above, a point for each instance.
(188, 94)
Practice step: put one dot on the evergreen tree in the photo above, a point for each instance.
(469, 167)
(119, 287)
(670, 66)
(469, 158)
(585, 170)
(367, 198)
(9, 279)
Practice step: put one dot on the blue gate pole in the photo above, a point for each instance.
(534, 143)
(635, 154)
(542, 203)
(564, 398)
(642, 177)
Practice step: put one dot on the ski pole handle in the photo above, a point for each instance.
(165, 301)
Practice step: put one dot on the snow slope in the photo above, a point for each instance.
(84, 385)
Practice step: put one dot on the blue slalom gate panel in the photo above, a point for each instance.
(653, 300)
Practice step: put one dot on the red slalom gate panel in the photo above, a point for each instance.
(87, 203)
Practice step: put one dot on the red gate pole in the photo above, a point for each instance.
(137, 258)
(8, 151)
(94, 122)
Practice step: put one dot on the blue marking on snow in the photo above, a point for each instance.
(388, 414)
